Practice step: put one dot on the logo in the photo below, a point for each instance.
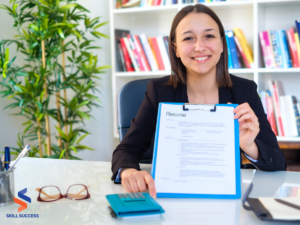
(23, 205)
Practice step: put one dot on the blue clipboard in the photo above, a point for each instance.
(237, 160)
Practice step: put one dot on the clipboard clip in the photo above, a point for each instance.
(201, 107)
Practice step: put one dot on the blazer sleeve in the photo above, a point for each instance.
(138, 138)
(271, 157)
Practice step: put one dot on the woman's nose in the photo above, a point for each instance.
(199, 45)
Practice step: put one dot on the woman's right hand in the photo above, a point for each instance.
(138, 181)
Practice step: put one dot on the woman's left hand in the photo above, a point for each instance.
(249, 129)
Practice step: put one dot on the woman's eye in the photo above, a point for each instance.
(210, 36)
(188, 38)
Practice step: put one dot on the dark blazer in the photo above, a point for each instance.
(138, 138)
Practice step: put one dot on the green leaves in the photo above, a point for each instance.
(66, 7)
(25, 84)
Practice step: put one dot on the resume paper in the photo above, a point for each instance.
(195, 151)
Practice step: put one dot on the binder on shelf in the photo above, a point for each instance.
(186, 134)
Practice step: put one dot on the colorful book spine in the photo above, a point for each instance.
(276, 104)
(240, 49)
(163, 52)
(230, 64)
(298, 45)
(131, 55)
(296, 112)
(148, 52)
(280, 53)
(266, 49)
(293, 48)
(135, 53)
(298, 29)
(153, 52)
(263, 100)
(141, 53)
(128, 62)
(284, 49)
(122, 60)
(143, 3)
(233, 50)
(157, 54)
(270, 112)
(245, 45)
(276, 49)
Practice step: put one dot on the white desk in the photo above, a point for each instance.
(31, 173)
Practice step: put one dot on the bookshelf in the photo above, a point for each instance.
(252, 16)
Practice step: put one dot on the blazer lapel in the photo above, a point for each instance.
(181, 94)
(225, 95)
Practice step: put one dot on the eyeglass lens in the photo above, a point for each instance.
(77, 192)
(50, 193)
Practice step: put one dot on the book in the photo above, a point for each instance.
(122, 58)
(131, 55)
(152, 49)
(131, 3)
(148, 51)
(276, 48)
(296, 112)
(233, 49)
(163, 52)
(157, 53)
(141, 53)
(230, 64)
(245, 45)
(245, 61)
(135, 52)
(284, 49)
(270, 112)
(118, 35)
(128, 62)
(273, 86)
(289, 115)
(298, 45)
(293, 47)
(266, 49)
(262, 95)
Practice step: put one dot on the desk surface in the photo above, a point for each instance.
(32, 173)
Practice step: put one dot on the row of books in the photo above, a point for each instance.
(240, 54)
(141, 53)
(281, 49)
(282, 110)
(143, 3)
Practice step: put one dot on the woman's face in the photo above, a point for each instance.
(198, 43)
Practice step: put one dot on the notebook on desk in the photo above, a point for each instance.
(273, 209)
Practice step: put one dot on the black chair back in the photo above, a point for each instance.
(129, 101)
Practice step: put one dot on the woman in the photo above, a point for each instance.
(198, 55)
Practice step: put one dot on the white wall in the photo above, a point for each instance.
(101, 128)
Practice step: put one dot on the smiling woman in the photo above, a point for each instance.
(198, 55)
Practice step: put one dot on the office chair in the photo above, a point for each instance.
(129, 101)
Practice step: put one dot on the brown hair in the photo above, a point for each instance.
(178, 69)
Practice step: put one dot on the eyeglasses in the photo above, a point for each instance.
(52, 193)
